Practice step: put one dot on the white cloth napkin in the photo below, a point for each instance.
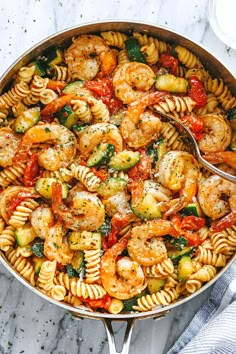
(213, 328)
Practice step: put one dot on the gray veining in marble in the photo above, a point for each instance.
(29, 324)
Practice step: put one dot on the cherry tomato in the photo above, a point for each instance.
(60, 267)
(196, 91)
(193, 238)
(47, 118)
(227, 221)
(192, 222)
(102, 303)
(118, 222)
(102, 174)
(142, 170)
(31, 173)
(103, 88)
(168, 61)
(195, 124)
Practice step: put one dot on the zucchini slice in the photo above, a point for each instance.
(39, 68)
(128, 304)
(25, 235)
(44, 187)
(157, 150)
(154, 284)
(233, 142)
(73, 87)
(185, 269)
(101, 154)
(27, 120)
(175, 255)
(134, 50)
(111, 186)
(147, 208)
(67, 117)
(124, 160)
(54, 56)
(231, 116)
(192, 209)
(84, 240)
(171, 83)
(77, 261)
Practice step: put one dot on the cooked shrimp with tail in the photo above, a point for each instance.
(145, 245)
(217, 198)
(122, 279)
(179, 171)
(138, 127)
(52, 158)
(9, 142)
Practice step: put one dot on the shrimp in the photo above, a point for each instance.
(52, 158)
(228, 157)
(86, 55)
(123, 279)
(139, 128)
(99, 133)
(217, 197)
(41, 219)
(9, 142)
(217, 133)
(131, 80)
(179, 171)
(145, 246)
(86, 212)
(12, 195)
(56, 246)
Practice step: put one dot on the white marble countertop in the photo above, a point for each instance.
(29, 324)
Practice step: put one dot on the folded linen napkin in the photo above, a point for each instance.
(213, 328)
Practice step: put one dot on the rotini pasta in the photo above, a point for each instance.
(58, 292)
(151, 53)
(14, 95)
(38, 85)
(99, 111)
(25, 74)
(163, 297)
(46, 275)
(61, 73)
(23, 212)
(123, 57)
(160, 270)
(92, 265)
(7, 237)
(91, 291)
(64, 280)
(187, 58)
(114, 39)
(206, 256)
(82, 110)
(85, 176)
(172, 137)
(21, 265)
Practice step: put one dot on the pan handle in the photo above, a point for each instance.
(111, 337)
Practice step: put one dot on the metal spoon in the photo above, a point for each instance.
(194, 147)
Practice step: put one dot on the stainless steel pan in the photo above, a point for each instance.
(215, 67)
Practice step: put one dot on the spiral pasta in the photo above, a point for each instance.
(163, 297)
(58, 292)
(204, 233)
(38, 85)
(143, 39)
(17, 93)
(206, 256)
(24, 251)
(3, 115)
(82, 110)
(172, 138)
(22, 212)
(64, 280)
(220, 243)
(114, 39)
(200, 73)
(7, 237)
(175, 103)
(122, 57)
(99, 111)
(25, 74)
(47, 95)
(204, 274)
(171, 281)
(160, 270)
(151, 53)
(192, 285)
(72, 300)
(209, 107)
(21, 265)
(46, 275)
(92, 265)
(221, 91)
(85, 176)
(18, 109)
(61, 73)
(87, 291)
(187, 58)
(63, 175)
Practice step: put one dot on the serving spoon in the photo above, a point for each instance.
(194, 147)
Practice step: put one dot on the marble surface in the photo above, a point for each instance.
(29, 324)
